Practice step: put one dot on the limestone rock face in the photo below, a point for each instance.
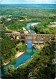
(39, 46)
(30, 76)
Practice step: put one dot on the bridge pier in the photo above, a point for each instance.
(38, 40)
(25, 39)
(14, 36)
(50, 40)
(55, 38)
(44, 40)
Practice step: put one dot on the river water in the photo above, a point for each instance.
(30, 50)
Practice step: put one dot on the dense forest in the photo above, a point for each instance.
(11, 16)
(9, 48)
(40, 66)
(42, 28)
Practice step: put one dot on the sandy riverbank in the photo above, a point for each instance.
(33, 24)
(18, 54)
(6, 63)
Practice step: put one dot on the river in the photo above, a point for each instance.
(30, 50)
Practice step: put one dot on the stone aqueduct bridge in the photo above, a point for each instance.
(40, 38)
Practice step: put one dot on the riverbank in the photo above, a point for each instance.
(39, 46)
(33, 24)
(18, 54)
(6, 63)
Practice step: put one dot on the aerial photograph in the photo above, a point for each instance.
(27, 39)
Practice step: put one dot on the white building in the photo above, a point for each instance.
(25, 31)
(15, 32)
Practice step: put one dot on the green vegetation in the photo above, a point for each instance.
(22, 11)
(17, 25)
(6, 49)
(10, 70)
(9, 48)
(13, 14)
(38, 66)
(20, 47)
(12, 24)
(43, 28)
(14, 17)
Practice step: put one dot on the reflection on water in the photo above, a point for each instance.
(29, 50)
(29, 44)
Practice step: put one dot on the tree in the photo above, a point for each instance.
(10, 70)
(19, 46)
(13, 51)
(2, 60)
